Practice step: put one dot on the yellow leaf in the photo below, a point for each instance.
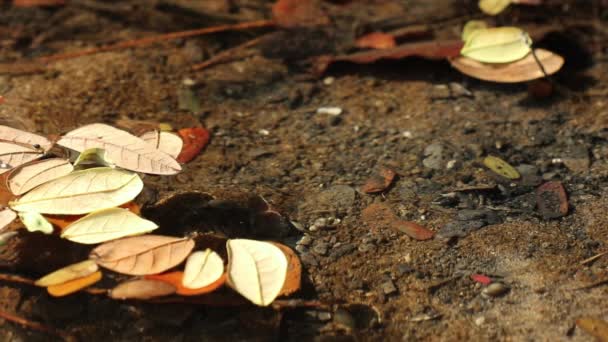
(493, 7)
(75, 285)
(596, 327)
(92, 157)
(501, 167)
(497, 45)
(471, 26)
(68, 273)
(34, 222)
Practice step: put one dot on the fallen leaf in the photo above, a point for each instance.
(376, 40)
(434, 49)
(295, 13)
(493, 7)
(68, 273)
(525, 69)
(105, 225)
(413, 230)
(379, 182)
(142, 255)
(14, 154)
(28, 176)
(381, 216)
(552, 200)
(92, 157)
(202, 268)
(7, 216)
(482, 279)
(38, 3)
(34, 222)
(62, 221)
(22, 137)
(293, 279)
(500, 167)
(176, 278)
(82, 192)
(256, 270)
(122, 148)
(75, 285)
(497, 45)
(596, 327)
(142, 289)
(195, 139)
(470, 27)
(167, 142)
(137, 127)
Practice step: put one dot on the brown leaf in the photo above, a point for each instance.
(525, 69)
(596, 327)
(142, 255)
(413, 230)
(379, 181)
(380, 215)
(376, 40)
(142, 289)
(294, 13)
(195, 139)
(435, 49)
(293, 279)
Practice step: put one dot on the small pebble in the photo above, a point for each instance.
(324, 316)
(320, 248)
(495, 290)
(334, 111)
(328, 80)
(388, 287)
(480, 321)
(306, 240)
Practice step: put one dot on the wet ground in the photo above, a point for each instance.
(422, 119)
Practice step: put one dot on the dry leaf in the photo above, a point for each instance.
(105, 225)
(7, 216)
(293, 279)
(92, 157)
(176, 278)
(82, 192)
(34, 222)
(202, 269)
(380, 215)
(13, 155)
(195, 139)
(75, 285)
(497, 45)
(167, 142)
(525, 69)
(142, 289)
(122, 148)
(376, 40)
(493, 7)
(63, 221)
(28, 176)
(501, 167)
(379, 182)
(142, 255)
(256, 269)
(22, 137)
(594, 326)
(68, 273)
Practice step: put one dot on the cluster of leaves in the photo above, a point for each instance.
(88, 199)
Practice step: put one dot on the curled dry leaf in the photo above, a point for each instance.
(105, 225)
(195, 139)
(82, 192)
(34, 222)
(293, 279)
(28, 176)
(525, 69)
(74, 285)
(176, 279)
(122, 148)
(142, 289)
(7, 216)
(202, 268)
(596, 327)
(376, 40)
(497, 45)
(68, 273)
(142, 255)
(256, 269)
(167, 142)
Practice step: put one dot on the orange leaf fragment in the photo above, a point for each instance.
(195, 139)
(379, 181)
(293, 279)
(75, 285)
(294, 13)
(380, 215)
(376, 40)
(413, 230)
(175, 279)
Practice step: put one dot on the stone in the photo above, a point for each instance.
(388, 287)
(434, 157)
(495, 290)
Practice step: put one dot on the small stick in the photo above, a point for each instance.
(225, 55)
(36, 326)
(593, 258)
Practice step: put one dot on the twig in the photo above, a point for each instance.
(159, 38)
(227, 55)
(593, 258)
(36, 326)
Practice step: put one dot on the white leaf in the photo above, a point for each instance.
(34, 222)
(497, 45)
(82, 192)
(256, 269)
(13, 155)
(28, 176)
(7, 216)
(70, 272)
(105, 225)
(167, 142)
(122, 148)
(23, 137)
(202, 269)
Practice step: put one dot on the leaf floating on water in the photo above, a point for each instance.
(105, 225)
(7, 216)
(497, 45)
(82, 192)
(122, 148)
(142, 289)
(596, 327)
(28, 176)
(525, 69)
(92, 157)
(470, 27)
(176, 278)
(501, 167)
(493, 7)
(293, 279)
(142, 255)
(195, 139)
(202, 268)
(75, 285)
(22, 137)
(256, 270)
(34, 222)
(68, 273)
(167, 142)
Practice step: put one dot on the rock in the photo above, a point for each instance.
(343, 250)
(324, 316)
(338, 198)
(488, 216)
(495, 290)
(366, 247)
(529, 175)
(306, 240)
(577, 159)
(460, 228)
(434, 157)
(308, 259)
(320, 248)
(388, 287)
(551, 200)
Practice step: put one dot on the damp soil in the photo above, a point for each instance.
(422, 119)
